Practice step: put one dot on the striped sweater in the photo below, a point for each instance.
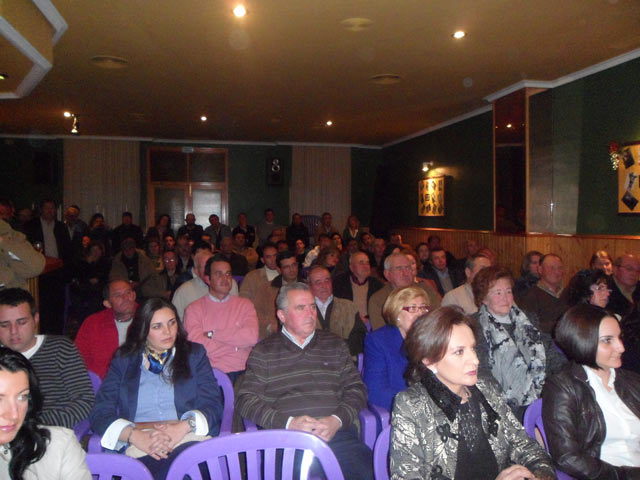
(284, 380)
(64, 382)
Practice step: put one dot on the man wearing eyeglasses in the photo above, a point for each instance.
(226, 325)
(338, 315)
(625, 290)
(399, 273)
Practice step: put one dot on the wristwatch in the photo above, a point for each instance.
(192, 424)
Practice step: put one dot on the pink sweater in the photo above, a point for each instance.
(232, 326)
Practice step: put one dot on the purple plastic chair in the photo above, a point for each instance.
(368, 418)
(260, 448)
(227, 393)
(381, 455)
(361, 363)
(533, 420)
(238, 279)
(105, 466)
(83, 427)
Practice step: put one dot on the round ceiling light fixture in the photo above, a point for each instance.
(356, 24)
(203, 118)
(386, 79)
(109, 62)
(240, 11)
(459, 34)
(329, 123)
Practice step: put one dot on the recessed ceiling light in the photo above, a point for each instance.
(203, 118)
(509, 125)
(459, 34)
(240, 11)
(329, 123)
(109, 62)
(67, 114)
(386, 78)
(3, 76)
(356, 24)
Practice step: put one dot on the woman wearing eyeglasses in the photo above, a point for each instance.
(385, 360)
(509, 345)
(587, 286)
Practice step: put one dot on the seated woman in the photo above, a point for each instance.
(601, 260)
(329, 257)
(591, 409)
(29, 451)
(90, 274)
(449, 424)
(159, 393)
(529, 273)
(587, 286)
(510, 346)
(385, 360)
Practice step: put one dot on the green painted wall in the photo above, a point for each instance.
(31, 170)
(364, 167)
(463, 153)
(602, 108)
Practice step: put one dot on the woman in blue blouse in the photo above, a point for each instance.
(160, 394)
(385, 360)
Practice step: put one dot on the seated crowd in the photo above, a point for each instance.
(456, 349)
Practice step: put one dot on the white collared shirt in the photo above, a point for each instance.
(292, 338)
(322, 306)
(621, 446)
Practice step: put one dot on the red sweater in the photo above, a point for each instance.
(97, 340)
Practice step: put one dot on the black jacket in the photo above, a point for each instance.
(342, 286)
(574, 423)
(457, 277)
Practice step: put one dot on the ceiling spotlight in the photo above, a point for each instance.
(426, 166)
(3, 76)
(67, 114)
(509, 125)
(203, 118)
(329, 123)
(240, 11)
(459, 34)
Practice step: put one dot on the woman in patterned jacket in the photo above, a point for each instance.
(449, 425)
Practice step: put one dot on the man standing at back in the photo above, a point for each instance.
(226, 325)
(102, 333)
(304, 379)
(64, 382)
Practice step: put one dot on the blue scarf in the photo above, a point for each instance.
(157, 361)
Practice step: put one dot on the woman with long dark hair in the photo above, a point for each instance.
(29, 451)
(160, 394)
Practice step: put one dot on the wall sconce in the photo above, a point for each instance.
(75, 126)
(426, 166)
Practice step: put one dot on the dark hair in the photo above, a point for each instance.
(421, 244)
(470, 263)
(17, 296)
(283, 256)
(267, 210)
(30, 443)
(214, 259)
(268, 245)
(429, 337)
(485, 279)
(324, 253)
(139, 331)
(324, 235)
(437, 249)
(127, 214)
(579, 288)
(48, 200)
(281, 242)
(526, 261)
(160, 218)
(200, 245)
(94, 217)
(577, 333)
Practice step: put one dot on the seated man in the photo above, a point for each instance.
(103, 332)
(257, 283)
(462, 296)
(195, 288)
(357, 284)
(183, 251)
(240, 247)
(191, 229)
(239, 264)
(399, 273)
(337, 315)
(625, 289)
(133, 266)
(66, 389)
(226, 325)
(304, 379)
(445, 276)
(542, 301)
(126, 229)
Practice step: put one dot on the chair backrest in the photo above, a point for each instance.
(227, 393)
(105, 466)
(238, 279)
(222, 453)
(96, 381)
(361, 362)
(381, 455)
(532, 420)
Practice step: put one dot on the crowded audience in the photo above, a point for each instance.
(291, 314)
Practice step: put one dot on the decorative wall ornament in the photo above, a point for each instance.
(628, 174)
(431, 197)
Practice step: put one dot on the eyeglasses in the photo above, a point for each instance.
(416, 308)
(600, 288)
(405, 268)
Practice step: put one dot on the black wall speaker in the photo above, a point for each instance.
(275, 171)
